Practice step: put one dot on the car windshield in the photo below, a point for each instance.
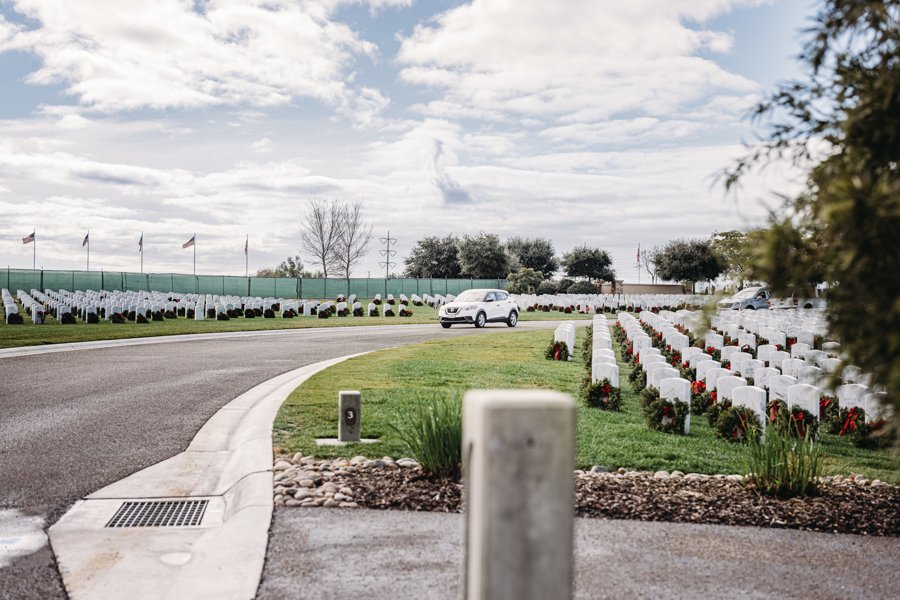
(471, 296)
(747, 293)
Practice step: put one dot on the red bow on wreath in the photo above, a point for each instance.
(824, 402)
(850, 422)
(797, 418)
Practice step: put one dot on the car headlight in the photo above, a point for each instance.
(467, 309)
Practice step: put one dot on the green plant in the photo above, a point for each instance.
(557, 351)
(601, 394)
(587, 347)
(784, 466)
(433, 435)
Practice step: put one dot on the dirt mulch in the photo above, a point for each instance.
(839, 508)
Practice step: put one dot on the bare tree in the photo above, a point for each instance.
(320, 231)
(354, 236)
(648, 262)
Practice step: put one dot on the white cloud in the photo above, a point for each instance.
(122, 56)
(583, 61)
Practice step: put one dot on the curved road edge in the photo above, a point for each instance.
(228, 464)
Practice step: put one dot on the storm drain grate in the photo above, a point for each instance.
(159, 513)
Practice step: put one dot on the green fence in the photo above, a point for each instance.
(277, 287)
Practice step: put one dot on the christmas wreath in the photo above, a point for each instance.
(601, 394)
(117, 318)
(648, 396)
(358, 311)
(714, 353)
(830, 414)
(796, 422)
(701, 400)
(737, 424)
(92, 318)
(140, 318)
(637, 378)
(389, 312)
(716, 410)
(557, 351)
(668, 417)
(746, 348)
(405, 312)
(873, 434)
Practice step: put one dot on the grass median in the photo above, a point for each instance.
(394, 381)
(53, 332)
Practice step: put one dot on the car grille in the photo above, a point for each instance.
(452, 311)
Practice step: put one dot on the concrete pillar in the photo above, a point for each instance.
(348, 422)
(518, 462)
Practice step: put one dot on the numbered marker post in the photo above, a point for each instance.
(348, 420)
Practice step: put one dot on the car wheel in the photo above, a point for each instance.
(446, 325)
(513, 319)
(751, 307)
(480, 320)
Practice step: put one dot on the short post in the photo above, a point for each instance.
(518, 462)
(348, 423)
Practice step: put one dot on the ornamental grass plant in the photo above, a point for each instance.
(433, 435)
(785, 466)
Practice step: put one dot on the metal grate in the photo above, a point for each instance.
(159, 513)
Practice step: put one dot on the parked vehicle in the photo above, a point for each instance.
(751, 298)
(479, 307)
(809, 298)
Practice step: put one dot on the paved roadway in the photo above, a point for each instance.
(73, 422)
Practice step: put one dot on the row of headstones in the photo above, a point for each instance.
(787, 321)
(603, 359)
(598, 302)
(661, 376)
(565, 333)
(771, 384)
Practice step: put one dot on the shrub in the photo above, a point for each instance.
(548, 287)
(564, 285)
(582, 287)
(784, 466)
(433, 435)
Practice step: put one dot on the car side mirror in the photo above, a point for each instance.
(488, 299)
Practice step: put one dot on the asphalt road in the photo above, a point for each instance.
(73, 422)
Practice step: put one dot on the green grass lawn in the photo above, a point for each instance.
(394, 381)
(52, 332)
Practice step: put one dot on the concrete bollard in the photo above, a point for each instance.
(348, 423)
(518, 462)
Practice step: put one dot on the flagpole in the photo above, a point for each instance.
(195, 254)
(142, 253)
(247, 257)
(89, 250)
(34, 253)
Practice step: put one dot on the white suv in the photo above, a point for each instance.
(479, 307)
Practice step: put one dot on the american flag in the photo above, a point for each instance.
(189, 243)
(247, 245)
(141, 243)
(28, 239)
(86, 240)
(638, 257)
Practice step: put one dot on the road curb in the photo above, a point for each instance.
(229, 465)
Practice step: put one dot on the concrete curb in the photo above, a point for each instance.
(188, 337)
(229, 464)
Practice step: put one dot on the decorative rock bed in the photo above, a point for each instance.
(850, 504)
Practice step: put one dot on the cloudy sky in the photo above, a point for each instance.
(586, 121)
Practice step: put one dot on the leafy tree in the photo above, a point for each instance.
(564, 284)
(591, 263)
(534, 253)
(843, 227)
(434, 257)
(688, 260)
(734, 250)
(483, 256)
(524, 281)
(582, 287)
(549, 287)
(290, 267)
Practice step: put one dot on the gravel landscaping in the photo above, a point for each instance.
(850, 504)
